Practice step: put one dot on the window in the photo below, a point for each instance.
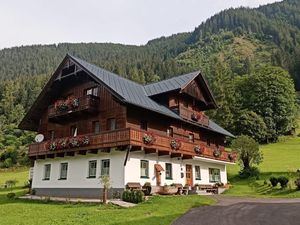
(92, 91)
(170, 132)
(144, 169)
(111, 124)
(73, 131)
(214, 175)
(105, 164)
(51, 134)
(96, 127)
(169, 175)
(197, 173)
(208, 142)
(191, 137)
(144, 125)
(63, 171)
(47, 170)
(92, 169)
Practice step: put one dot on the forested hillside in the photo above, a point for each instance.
(234, 48)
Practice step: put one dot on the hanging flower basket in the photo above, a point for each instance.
(148, 139)
(52, 146)
(199, 149)
(232, 156)
(217, 153)
(175, 144)
(63, 143)
(84, 140)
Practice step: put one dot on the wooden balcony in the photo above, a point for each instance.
(122, 138)
(85, 104)
(189, 114)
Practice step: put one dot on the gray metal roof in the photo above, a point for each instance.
(136, 94)
(171, 84)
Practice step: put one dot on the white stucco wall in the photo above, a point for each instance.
(120, 176)
(78, 171)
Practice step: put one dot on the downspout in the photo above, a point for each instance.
(127, 154)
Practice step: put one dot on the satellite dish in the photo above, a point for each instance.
(39, 138)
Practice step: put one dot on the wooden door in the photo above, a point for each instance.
(189, 175)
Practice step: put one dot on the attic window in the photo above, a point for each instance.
(92, 91)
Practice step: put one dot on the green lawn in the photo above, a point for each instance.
(281, 158)
(156, 211)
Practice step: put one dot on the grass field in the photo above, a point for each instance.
(281, 158)
(156, 211)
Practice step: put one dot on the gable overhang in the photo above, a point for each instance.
(31, 119)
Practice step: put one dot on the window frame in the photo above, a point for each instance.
(73, 130)
(61, 170)
(90, 169)
(191, 137)
(170, 176)
(170, 132)
(103, 161)
(109, 124)
(146, 176)
(144, 125)
(94, 127)
(47, 176)
(212, 177)
(197, 176)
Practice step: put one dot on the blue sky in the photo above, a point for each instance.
(119, 21)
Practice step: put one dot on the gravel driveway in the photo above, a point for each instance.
(244, 211)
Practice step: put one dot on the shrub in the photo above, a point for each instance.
(297, 183)
(274, 181)
(249, 172)
(147, 188)
(11, 195)
(134, 196)
(283, 181)
(11, 183)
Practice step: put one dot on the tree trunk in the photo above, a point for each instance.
(104, 195)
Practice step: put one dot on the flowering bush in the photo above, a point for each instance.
(217, 153)
(175, 144)
(148, 139)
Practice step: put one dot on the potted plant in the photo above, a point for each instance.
(148, 139)
(52, 146)
(147, 188)
(217, 153)
(175, 144)
(199, 149)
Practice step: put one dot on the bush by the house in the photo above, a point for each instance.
(283, 181)
(274, 181)
(134, 196)
(297, 183)
(11, 195)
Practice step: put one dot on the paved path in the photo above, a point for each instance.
(244, 211)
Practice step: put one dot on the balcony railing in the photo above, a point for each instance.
(88, 103)
(191, 115)
(160, 144)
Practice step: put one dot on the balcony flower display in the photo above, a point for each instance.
(52, 146)
(199, 149)
(63, 143)
(66, 104)
(217, 153)
(196, 116)
(175, 144)
(232, 156)
(148, 139)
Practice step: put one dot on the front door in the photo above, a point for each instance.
(189, 175)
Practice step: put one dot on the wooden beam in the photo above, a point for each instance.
(60, 154)
(70, 153)
(93, 151)
(176, 155)
(41, 157)
(150, 150)
(50, 156)
(162, 153)
(187, 156)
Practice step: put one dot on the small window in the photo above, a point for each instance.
(51, 134)
(92, 169)
(47, 171)
(170, 132)
(191, 137)
(105, 164)
(144, 125)
(144, 169)
(197, 173)
(63, 171)
(111, 124)
(214, 175)
(169, 175)
(92, 91)
(73, 131)
(96, 127)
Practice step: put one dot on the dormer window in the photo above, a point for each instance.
(92, 91)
